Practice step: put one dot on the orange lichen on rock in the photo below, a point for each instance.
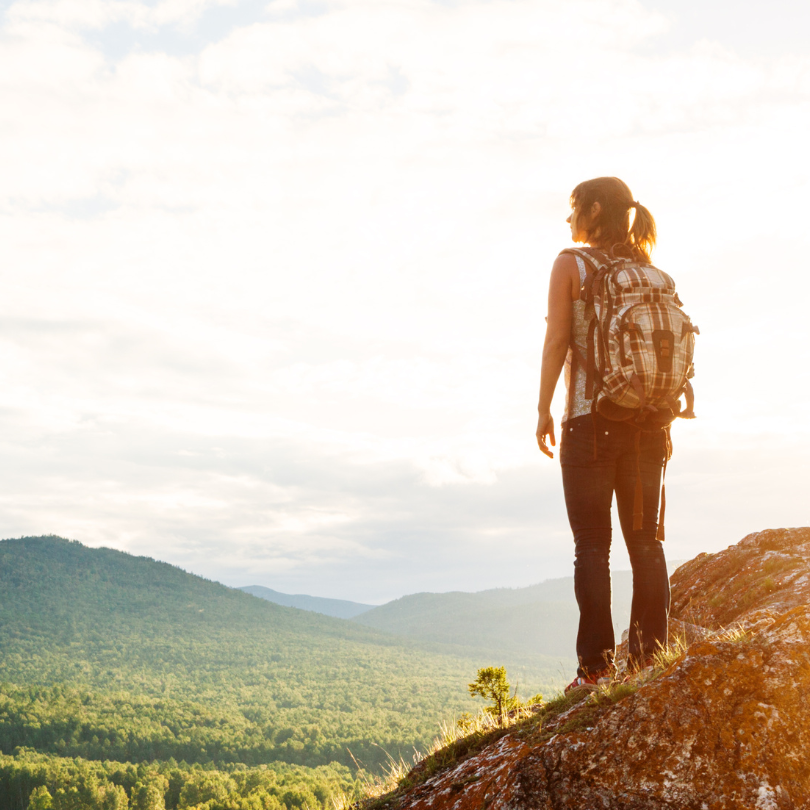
(725, 725)
(765, 570)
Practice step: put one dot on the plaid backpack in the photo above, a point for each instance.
(640, 345)
(640, 351)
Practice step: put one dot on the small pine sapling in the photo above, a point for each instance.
(491, 684)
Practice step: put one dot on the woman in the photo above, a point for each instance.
(599, 456)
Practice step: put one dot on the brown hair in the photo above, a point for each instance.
(610, 229)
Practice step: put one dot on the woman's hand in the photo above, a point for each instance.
(545, 427)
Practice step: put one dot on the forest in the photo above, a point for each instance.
(40, 782)
(111, 663)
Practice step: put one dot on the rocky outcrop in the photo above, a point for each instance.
(766, 571)
(721, 724)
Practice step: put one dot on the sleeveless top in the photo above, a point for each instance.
(577, 404)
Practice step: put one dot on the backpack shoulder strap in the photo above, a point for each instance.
(590, 287)
(600, 264)
(594, 257)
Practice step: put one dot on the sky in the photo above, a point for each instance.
(274, 274)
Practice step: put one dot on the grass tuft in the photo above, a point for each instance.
(665, 656)
(735, 633)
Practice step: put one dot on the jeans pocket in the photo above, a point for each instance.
(576, 442)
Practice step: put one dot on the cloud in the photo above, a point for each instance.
(278, 293)
(93, 14)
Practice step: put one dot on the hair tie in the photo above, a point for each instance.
(634, 204)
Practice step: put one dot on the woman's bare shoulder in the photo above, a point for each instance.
(566, 261)
(565, 271)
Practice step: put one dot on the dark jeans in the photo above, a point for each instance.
(589, 484)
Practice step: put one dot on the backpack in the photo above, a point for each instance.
(640, 351)
(641, 343)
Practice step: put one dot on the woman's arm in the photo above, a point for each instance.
(563, 288)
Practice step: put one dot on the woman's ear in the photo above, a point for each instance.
(596, 209)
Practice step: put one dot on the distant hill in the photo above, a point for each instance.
(340, 608)
(511, 623)
(104, 655)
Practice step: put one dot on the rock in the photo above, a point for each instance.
(725, 725)
(765, 570)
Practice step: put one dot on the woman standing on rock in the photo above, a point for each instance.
(600, 455)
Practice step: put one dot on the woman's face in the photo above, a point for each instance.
(578, 234)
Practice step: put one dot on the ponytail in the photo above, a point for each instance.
(643, 232)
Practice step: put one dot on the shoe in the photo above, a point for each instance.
(591, 682)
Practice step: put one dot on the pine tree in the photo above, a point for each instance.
(491, 684)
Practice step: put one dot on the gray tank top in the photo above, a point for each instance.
(577, 405)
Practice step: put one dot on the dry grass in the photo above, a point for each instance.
(734, 633)
(664, 656)
(480, 724)
(395, 775)
(455, 740)
(340, 801)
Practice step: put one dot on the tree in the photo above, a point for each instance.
(111, 797)
(40, 799)
(491, 684)
(147, 797)
(206, 786)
